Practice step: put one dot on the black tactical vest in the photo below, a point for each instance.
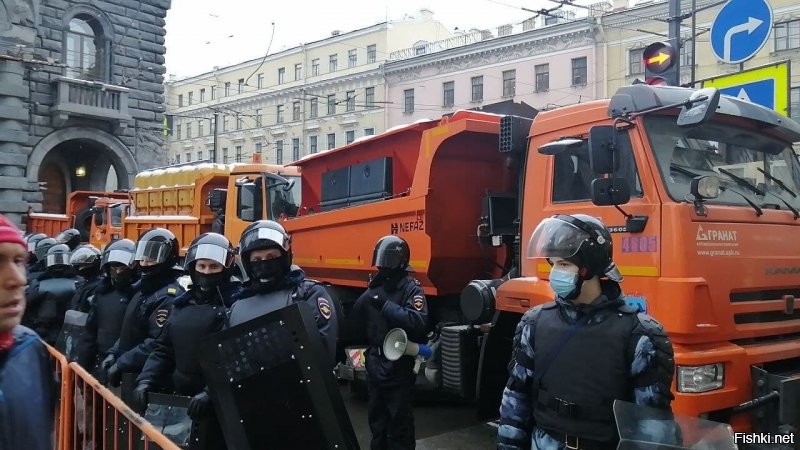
(110, 309)
(188, 325)
(574, 396)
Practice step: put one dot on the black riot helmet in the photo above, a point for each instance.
(71, 237)
(57, 257)
(580, 239)
(118, 252)
(43, 246)
(159, 246)
(86, 261)
(263, 235)
(391, 252)
(32, 240)
(212, 246)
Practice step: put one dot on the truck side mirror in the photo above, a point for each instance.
(99, 216)
(701, 106)
(610, 191)
(602, 146)
(249, 202)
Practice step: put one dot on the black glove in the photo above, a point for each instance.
(107, 363)
(199, 405)
(114, 375)
(140, 397)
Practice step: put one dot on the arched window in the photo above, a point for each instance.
(85, 49)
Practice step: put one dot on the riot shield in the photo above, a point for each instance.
(58, 287)
(643, 428)
(71, 335)
(272, 386)
(168, 414)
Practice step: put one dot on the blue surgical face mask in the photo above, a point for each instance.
(563, 283)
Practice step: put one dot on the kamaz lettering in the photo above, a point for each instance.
(782, 270)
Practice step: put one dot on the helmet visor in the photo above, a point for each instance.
(83, 256)
(208, 251)
(57, 259)
(264, 234)
(554, 238)
(32, 243)
(152, 251)
(389, 258)
(118, 256)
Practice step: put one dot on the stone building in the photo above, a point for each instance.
(81, 97)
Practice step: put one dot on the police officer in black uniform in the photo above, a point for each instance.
(31, 241)
(85, 261)
(393, 300)
(199, 312)
(147, 312)
(37, 268)
(111, 298)
(49, 295)
(266, 255)
(590, 347)
(70, 237)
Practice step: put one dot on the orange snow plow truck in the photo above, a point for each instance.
(700, 192)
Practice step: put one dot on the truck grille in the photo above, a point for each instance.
(766, 316)
(459, 360)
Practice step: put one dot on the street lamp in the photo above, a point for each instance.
(80, 171)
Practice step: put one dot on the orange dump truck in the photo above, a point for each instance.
(701, 199)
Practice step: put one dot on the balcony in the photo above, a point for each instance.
(89, 99)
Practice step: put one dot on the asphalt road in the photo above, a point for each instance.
(440, 424)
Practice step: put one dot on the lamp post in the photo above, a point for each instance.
(216, 135)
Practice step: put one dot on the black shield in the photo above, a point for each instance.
(71, 335)
(168, 414)
(59, 287)
(272, 387)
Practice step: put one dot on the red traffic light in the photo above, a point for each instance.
(658, 57)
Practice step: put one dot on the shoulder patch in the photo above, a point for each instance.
(324, 307)
(161, 316)
(418, 302)
(172, 291)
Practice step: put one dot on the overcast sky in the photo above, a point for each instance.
(202, 34)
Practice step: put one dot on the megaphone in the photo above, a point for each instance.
(396, 344)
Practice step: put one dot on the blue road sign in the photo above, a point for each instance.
(740, 29)
(760, 92)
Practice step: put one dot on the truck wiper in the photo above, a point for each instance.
(742, 182)
(777, 181)
(681, 169)
(759, 211)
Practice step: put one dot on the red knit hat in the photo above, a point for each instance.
(10, 233)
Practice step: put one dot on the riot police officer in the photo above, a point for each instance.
(70, 237)
(266, 256)
(199, 312)
(48, 296)
(36, 269)
(85, 260)
(111, 298)
(550, 398)
(31, 242)
(393, 300)
(147, 312)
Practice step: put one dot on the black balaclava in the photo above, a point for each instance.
(269, 274)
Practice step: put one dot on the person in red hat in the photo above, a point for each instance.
(26, 376)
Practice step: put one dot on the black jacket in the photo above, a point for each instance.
(103, 324)
(47, 300)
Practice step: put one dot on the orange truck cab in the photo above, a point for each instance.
(107, 216)
(700, 193)
(82, 209)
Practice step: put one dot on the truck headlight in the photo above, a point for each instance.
(701, 378)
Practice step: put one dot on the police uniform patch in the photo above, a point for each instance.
(161, 317)
(171, 291)
(324, 307)
(418, 302)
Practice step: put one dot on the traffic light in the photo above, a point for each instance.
(660, 64)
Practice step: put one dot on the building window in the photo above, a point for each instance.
(550, 19)
(312, 144)
(579, 71)
(369, 131)
(331, 104)
(369, 97)
(212, 155)
(224, 156)
(477, 88)
(178, 132)
(240, 86)
(259, 147)
(794, 103)
(332, 63)
(448, 94)
(787, 35)
(315, 67)
(281, 75)
(372, 51)
(259, 119)
(238, 153)
(180, 100)
(295, 149)
(86, 52)
(298, 71)
(296, 111)
(542, 75)
(408, 101)
(188, 130)
(349, 137)
(314, 107)
(636, 61)
(213, 92)
(331, 141)
(188, 157)
(202, 95)
(178, 158)
(352, 58)
(686, 54)
(509, 83)
(225, 124)
(239, 122)
(191, 97)
(279, 114)
(279, 152)
(260, 81)
(227, 89)
(200, 126)
(351, 101)
(200, 155)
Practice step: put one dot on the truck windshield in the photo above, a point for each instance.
(283, 203)
(684, 153)
(116, 216)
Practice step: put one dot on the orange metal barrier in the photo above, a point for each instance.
(90, 416)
